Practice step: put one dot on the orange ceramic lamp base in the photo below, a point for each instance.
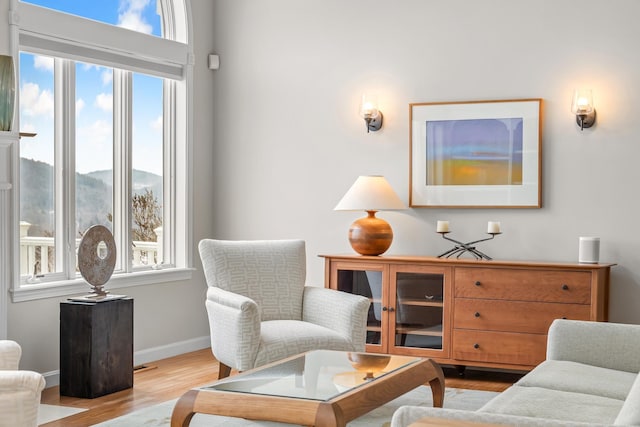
(370, 235)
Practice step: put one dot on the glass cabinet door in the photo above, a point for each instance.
(408, 312)
(419, 308)
(366, 282)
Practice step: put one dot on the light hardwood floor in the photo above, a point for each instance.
(169, 378)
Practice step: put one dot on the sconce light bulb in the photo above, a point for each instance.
(368, 106)
(369, 110)
(582, 102)
(582, 107)
(370, 113)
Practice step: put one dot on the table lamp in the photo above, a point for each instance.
(370, 235)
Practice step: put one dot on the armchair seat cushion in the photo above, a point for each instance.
(577, 377)
(554, 404)
(282, 338)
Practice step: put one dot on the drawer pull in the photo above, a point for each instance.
(476, 346)
(384, 309)
(391, 309)
(478, 283)
(477, 314)
(565, 287)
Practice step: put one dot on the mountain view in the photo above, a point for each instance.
(93, 193)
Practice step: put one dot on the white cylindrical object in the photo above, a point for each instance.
(589, 250)
(493, 227)
(442, 227)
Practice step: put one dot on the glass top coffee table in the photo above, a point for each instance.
(319, 388)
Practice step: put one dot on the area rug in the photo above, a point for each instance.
(48, 413)
(160, 415)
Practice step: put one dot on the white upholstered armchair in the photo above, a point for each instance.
(260, 309)
(19, 390)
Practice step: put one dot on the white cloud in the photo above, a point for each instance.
(133, 21)
(27, 127)
(156, 124)
(104, 101)
(87, 67)
(79, 105)
(94, 146)
(107, 76)
(130, 16)
(43, 62)
(137, 5)
(35, 102)
(97, 133)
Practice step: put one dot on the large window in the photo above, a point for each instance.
(137, 15)
(108, 111)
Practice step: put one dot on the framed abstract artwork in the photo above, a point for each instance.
(478, 154)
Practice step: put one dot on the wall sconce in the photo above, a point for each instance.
(370, 113)
(582, 107)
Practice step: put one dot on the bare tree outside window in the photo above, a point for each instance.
(146, 216)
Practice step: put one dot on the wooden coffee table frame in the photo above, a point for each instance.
(333, 412)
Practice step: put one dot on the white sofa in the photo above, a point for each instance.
(19, 390)
(589, 378)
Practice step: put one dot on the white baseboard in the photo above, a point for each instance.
(170, 350)
(148, 355)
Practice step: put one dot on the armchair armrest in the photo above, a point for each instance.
(16, 381)
(10, 353)
(342, 312)
(603, 344)
(19, 397)
(234, 322)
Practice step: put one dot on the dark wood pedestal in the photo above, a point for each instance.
(96, 347)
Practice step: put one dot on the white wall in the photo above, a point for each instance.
(288, 142)
(164, 314)
(278, 141)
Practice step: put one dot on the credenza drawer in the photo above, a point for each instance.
(523, 285)
(499, 347)
(513, 316)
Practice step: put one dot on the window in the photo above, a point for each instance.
(108, 108)
(136, 15)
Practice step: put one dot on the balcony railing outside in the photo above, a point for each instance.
(34, 249)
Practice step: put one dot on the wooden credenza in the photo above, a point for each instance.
(468, 312)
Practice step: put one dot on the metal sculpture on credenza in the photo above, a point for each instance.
(461, 248)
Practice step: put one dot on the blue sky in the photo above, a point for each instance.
(94, 94)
